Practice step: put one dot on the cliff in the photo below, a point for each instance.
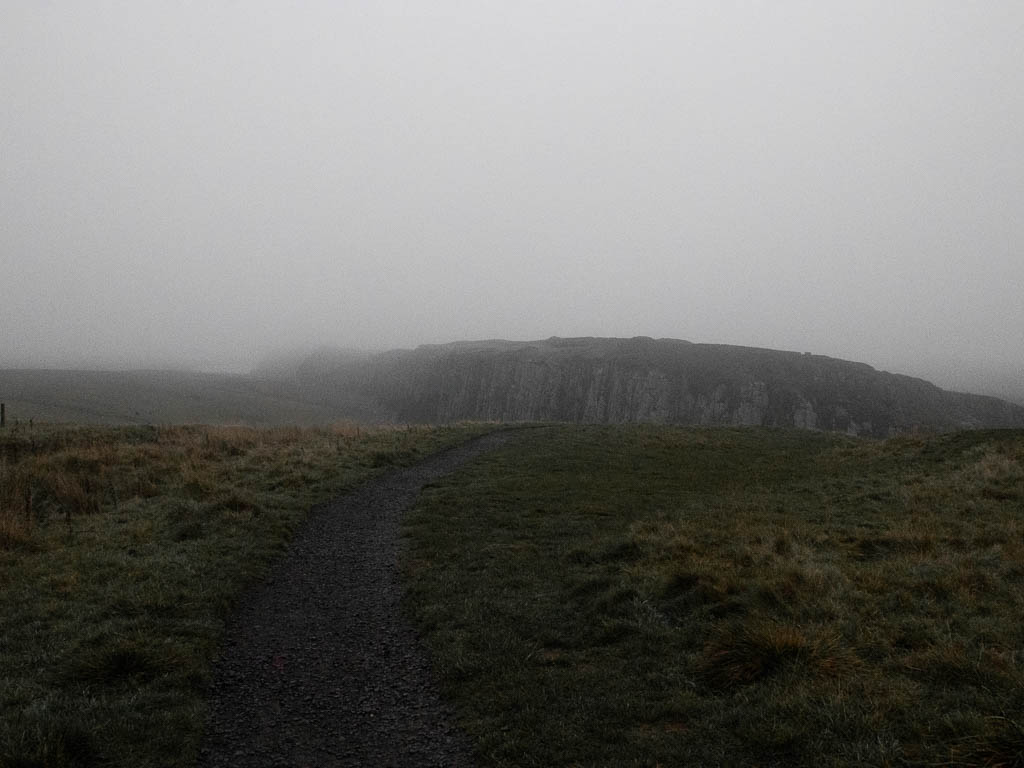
(595, 380)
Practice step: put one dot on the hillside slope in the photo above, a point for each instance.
(667, 381)
(582, 380)
(159, 397)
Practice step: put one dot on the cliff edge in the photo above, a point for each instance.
(665, 381)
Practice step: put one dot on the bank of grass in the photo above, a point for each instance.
(121, 551)
(643, 596)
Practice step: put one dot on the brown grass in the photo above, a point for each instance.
(750, 651)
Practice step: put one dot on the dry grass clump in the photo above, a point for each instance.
(16, 520)
(73, 472)
(753, 651)
(999, 744)
(995, 474)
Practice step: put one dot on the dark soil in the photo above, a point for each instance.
(319, 666)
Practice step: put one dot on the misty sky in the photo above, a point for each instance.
(204, 182)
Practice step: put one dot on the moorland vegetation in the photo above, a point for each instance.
(122, 550)
(592, 595)
(641, 596)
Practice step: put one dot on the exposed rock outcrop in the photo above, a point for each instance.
(666, 381)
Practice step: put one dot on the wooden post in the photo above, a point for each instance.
(3, 415)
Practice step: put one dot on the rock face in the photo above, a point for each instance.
(665, 381)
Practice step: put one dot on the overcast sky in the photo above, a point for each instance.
(204, 182)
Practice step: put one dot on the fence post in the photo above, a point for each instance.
(3, 415)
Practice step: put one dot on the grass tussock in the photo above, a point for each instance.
(748, 652)
(1001, 745)
(121, 552)
(615, 596)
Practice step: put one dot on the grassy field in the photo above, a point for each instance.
(121, 551)
(168, 397)
(642, 596)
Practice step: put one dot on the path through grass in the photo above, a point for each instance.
(121, 551)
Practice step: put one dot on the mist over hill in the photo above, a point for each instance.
(578, 380)
(666, 381)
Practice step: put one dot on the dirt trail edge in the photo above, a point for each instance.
(318, 666)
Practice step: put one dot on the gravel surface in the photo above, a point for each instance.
(319, 667)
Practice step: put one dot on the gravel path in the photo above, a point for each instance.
(319, 667)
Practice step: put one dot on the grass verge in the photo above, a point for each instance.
(643, 596)
(121, 552)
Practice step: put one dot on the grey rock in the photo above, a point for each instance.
(662, 381)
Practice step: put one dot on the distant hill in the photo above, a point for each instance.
(602, 380)
(582, 380)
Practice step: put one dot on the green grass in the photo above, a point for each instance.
(162, 397)
(121, 552)
(642, 596)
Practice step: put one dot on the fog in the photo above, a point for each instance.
(200, 184)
